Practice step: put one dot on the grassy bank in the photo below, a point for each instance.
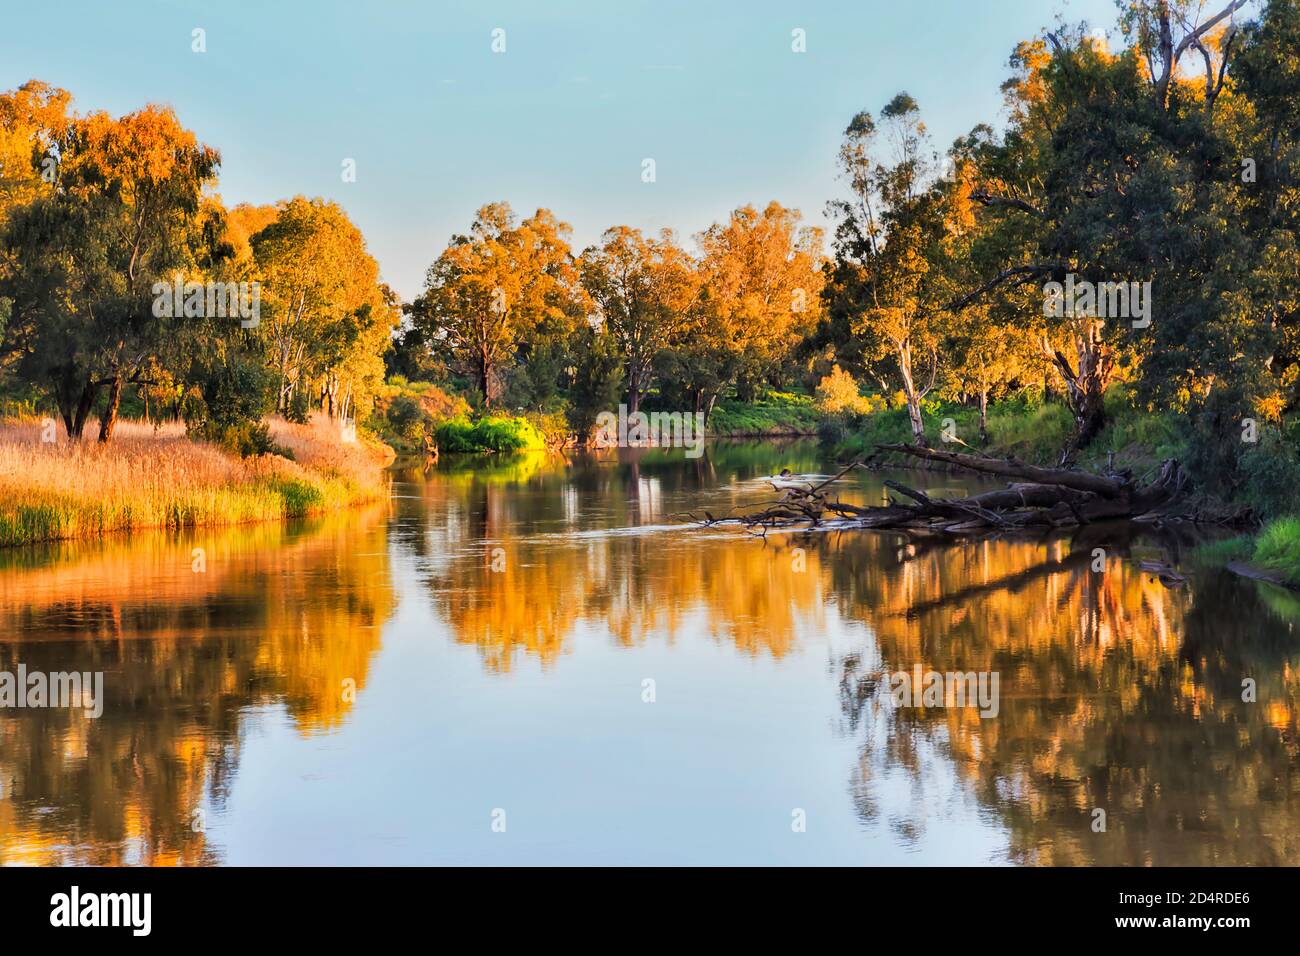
(151, 477)
(1033, 432)
(1274, 553)
(773, 414)
(1277, 550)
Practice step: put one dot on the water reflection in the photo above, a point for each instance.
(1121, 694)
(558, 580)
(277, 616)
(1117, 693)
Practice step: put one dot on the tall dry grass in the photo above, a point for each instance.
(156, 477)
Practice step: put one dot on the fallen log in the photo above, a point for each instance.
(1046, 498)
(1010, 468)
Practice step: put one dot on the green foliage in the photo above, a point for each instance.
(245, 439)
(406, 418)
(1033, 432)
(298, 410)
(498, 433)
(300, 497)
(1271, 477)
(227, 407)
(774, 413)
(1217, 554)
(597, 379)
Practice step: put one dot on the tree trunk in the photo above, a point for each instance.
(75, 414)
(913, 397)
(483, 377)
(108, 420)
(984, 415)
(708, 408)
(1085, 390)
(633, 391)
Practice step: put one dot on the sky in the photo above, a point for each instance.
(439, 124)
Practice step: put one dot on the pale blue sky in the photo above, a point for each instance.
(438, 124)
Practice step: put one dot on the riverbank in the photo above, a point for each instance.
(1272, 555)
(773, 415)
(157, 477)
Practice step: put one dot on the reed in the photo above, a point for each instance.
(154, 476)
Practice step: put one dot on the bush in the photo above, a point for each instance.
(1271, 478)
(552, 425)
(839, 392)
(245, 439)
(494, 433)
(227, 407)
(406, 418)
(407, 413)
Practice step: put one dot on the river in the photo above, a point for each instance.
(529, 661)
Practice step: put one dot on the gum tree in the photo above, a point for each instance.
(891, 248)
(125, 209)
(643, 291)
(492, 288)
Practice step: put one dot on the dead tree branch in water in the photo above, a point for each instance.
(1044, 498)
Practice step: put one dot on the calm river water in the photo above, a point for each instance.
(527, 661)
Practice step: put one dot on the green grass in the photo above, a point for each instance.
(1217, 554)
(301, 497)
(1034, 432)
(1277, 550)
(1031, 432)
(775, 413)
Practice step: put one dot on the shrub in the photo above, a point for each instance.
(493, 433)
(406, 418)
(552, 425)
(1271, 477)
(245, 439)
(838, 392)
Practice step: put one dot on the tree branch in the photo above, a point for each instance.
(989, 199)
(1021, 274)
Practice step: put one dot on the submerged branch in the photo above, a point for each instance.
(1048, 498)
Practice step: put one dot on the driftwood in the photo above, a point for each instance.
(1042, 498)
